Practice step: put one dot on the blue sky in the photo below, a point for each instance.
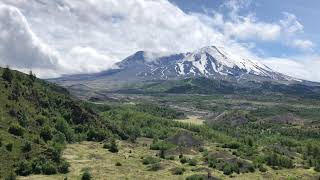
(71, 36)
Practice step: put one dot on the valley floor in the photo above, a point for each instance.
(92, 157)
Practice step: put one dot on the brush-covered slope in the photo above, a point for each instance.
(36, 120)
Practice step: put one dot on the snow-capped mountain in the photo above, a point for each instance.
(210, 62)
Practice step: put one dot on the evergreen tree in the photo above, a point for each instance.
(7, 75)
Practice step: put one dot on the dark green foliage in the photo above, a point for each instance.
(227, 169)
(155, 167)
(183, 160)
(46, 133)
(24, 168)
(118, 164)
(160, 111)
(16, 129)
(178, 171)
(274, 159)
(7, 75)
(62, 126)
(161, 145)
(11, 176)
(49, 168)
(192, 162)
(262, 169)
(96, 135)
(9, 147)
(162, 154)
(26, 147)
(150, 160)
(86, 176)
(196, 177)
(232, 145)
(113, 146)
(43, 115)
(63, 167)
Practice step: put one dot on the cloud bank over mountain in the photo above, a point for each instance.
(70, 36)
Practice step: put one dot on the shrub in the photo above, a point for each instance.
(113, 146)
(7, 75)
(63, 167)
(195, 177)
(192, 162)
(178, 171)
(150, 160)
(118, 164)
(278, 160)
(26, 147)
(96, 135)
(183, 160)
(262, 168)
(16, 130)
(232, 145)
(106, 146)
(162, 154)
(161, 145)
(46, 134)
(9, 147)
(49, 168)
(155, 167)
(24, 168)
(11, 176)
(227, 169)
(86, 176)
(63, 127)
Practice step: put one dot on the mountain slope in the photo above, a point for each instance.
(209, 62)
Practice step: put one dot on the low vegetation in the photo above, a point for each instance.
(45, 133)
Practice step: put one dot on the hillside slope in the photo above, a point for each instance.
(37, 119)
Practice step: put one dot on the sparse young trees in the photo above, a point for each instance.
(7, 75)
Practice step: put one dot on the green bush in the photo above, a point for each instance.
(183, 160)
(49, 168)
(155, 167)
(118, 164)
(178, 171)
(9, 147)
(192, 162)
(96, 135)
(227, 169)
(16, 130)
(63, 167)
(161, 145)
(232, 145)
(274, 159)
(196, 177)
(7, 75)
(26, 147)
(150, 160)
(262, 168)
(11, 176)
(113, 146)
(86, 176)
(46, 134)
(24, 168)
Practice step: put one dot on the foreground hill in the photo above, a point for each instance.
(36, 120)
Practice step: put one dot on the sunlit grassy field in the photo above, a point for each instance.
(92, 157)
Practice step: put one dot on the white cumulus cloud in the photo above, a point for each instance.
(19, 46)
